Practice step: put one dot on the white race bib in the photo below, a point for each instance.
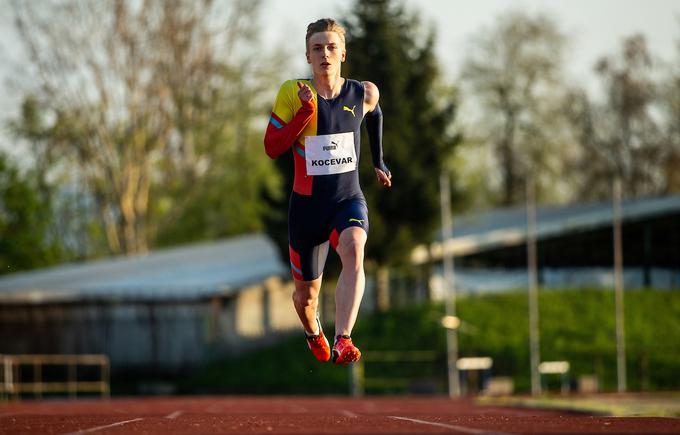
(330, 154)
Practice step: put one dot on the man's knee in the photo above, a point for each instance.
(351, 250)
(305, 296)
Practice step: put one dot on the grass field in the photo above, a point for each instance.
(576, 326)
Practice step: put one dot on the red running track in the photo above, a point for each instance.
(305, 415)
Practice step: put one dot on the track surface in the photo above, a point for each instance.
(305, 415)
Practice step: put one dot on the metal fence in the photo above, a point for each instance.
(26, 374)
(423, 373)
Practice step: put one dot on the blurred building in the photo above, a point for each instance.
(574, 247)
(166, 311)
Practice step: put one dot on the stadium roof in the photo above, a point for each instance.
(499, 228)
(188, 272)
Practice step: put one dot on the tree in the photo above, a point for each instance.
(622, 137)
(149, 105)
(670, 106)
(71, 219)
(513, 78)
(387, 46)
(25, 242)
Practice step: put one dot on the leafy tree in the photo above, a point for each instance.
(622, 137)
(670, 105)
(73, 220)
(24, 222)
(386, 45)
(513, 78)
(149, 107)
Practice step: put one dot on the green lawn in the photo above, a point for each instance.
(575, 325)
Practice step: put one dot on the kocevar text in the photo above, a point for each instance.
(330, 162)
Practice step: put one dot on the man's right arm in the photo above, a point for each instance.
(280, 134)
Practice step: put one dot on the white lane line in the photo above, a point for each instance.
(348, 413)
(449, 426)
(174, 414)
(95, 429)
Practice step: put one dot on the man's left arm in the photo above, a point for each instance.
(374, 127)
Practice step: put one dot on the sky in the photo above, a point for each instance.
(594, 27)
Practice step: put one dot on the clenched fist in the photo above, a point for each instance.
(305, 92)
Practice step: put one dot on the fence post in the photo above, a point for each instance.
(37, 379)
(72, 379)
(7, 376)
(106, 374)
(15, 377)
(356, 379)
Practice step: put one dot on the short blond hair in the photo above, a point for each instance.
(325, 25)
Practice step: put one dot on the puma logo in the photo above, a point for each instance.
(359, 221)
(350, 110)
(332, 146)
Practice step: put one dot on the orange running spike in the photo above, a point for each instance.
(319, 345)
(344, 352)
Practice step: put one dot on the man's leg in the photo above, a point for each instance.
(348, 294)
(352, 279)
(306, 302)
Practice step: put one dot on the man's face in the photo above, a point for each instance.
(325, 52)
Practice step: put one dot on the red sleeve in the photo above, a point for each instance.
(280, 135)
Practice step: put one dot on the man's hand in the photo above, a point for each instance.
(383, 178)
(305, 92)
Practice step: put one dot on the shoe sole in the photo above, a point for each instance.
(347, 357)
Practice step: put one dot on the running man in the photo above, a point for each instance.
(319, 120)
